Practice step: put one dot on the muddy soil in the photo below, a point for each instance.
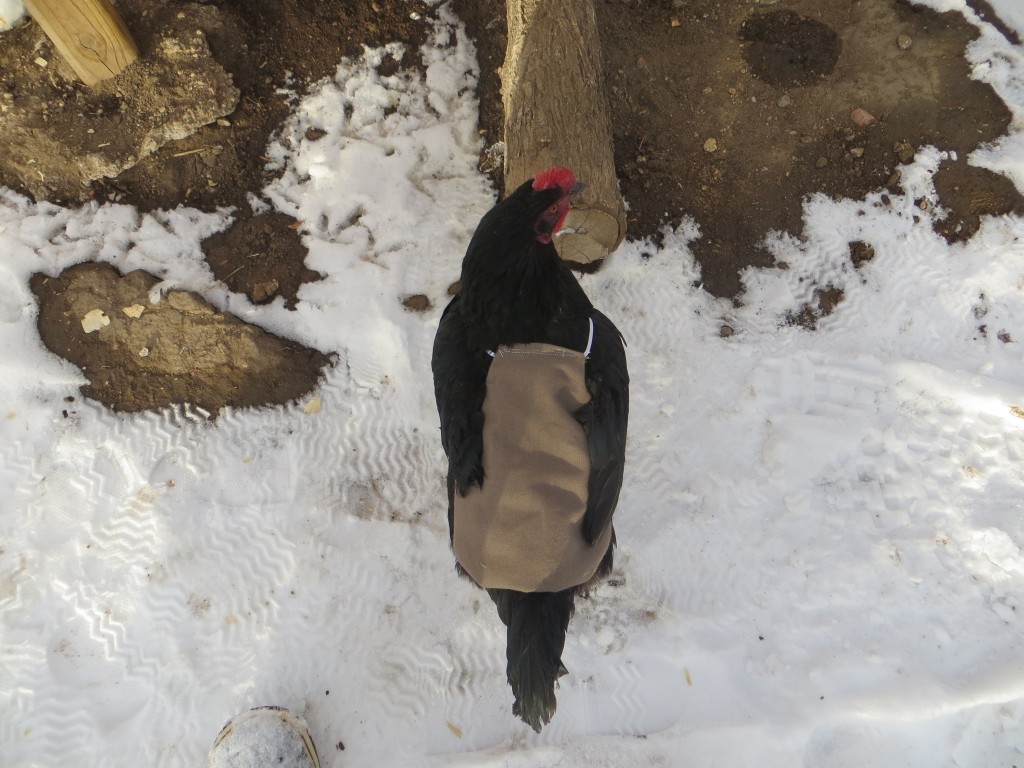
(733, 111)
(142, 355)
(727, 111)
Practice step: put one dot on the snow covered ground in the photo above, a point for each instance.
(820, 534)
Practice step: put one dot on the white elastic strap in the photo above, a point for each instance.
(586, 352)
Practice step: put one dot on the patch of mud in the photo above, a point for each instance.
(261, 256)
(984, 10)
(981, 309)
(181, 350)
(418, 302)
(732, 112)
(786, 49)
(968, 193)
(861, 253)
(486, 25)
(824, 303)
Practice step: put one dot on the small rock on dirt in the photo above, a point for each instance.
(861, 117)
(265, 291)
(904, 152)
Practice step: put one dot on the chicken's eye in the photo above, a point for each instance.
(553, 208)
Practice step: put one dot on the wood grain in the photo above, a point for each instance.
(556, 114)
(89, 34)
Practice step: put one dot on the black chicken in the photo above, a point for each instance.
(538, 521)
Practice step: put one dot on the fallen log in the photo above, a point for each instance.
(556, 114)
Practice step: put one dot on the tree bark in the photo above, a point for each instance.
(88, 33)
(556, 114)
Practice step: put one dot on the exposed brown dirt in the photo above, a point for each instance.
(732, 112)
(969, 193)
(270, 48)
(148, 355)
(727, 111)
(261, 256)
(63, 137)
(783, 122)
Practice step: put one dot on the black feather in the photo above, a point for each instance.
(605, 425)
(536, 624)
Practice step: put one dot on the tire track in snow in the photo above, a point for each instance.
(89, 678)
(392, 449)
(652, 315)
(477, 700)
(620, 694)
(59, 734)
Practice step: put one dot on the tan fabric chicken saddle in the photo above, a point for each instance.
(523, 529)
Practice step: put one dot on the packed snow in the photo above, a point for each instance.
(820, 533)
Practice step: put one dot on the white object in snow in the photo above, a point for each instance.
(11, 13)
(262, 737)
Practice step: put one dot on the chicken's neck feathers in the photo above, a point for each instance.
(522, 296)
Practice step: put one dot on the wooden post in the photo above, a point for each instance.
(88, 33)
(556, 114)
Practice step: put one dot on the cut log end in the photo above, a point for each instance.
(88, 34)
(588, 236)
(555, 119)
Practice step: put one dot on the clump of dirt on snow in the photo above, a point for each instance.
(139, 355)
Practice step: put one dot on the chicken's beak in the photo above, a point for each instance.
(576, 190)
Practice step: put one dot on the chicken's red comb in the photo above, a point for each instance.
(554, 177)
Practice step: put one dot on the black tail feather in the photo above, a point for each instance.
(536, 623)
